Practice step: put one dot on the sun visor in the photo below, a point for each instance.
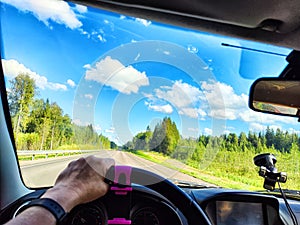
(254, 64)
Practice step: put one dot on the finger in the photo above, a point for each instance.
(100, 165)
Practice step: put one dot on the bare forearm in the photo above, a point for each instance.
(34, 216)
(81, 182)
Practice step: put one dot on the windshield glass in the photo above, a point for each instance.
(85, 81)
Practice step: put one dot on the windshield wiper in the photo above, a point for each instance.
(289, 193)
(186, 184)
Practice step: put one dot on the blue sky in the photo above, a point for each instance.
(122, 73)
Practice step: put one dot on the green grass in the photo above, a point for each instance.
(43, 156)
(64, 147)
(237, 171)
(78, 147)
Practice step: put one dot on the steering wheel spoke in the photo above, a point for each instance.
(173, 193)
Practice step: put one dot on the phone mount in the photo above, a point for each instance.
(267, 170)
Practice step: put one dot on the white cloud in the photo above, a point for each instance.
(215, 99)
(54, 86)
(227, 132)
(48, 10)
(81, 8)
(249, 115)
(110, 130)
(80, 123)
(293, 131)
(275, 127)
(201, 113)
(192, 129)
(87, 66)
(257, 127)
(97, 128)
(13, 68)
(191, 112)
(183, 96)
(224, 103)
(71, 83)
(180, 94)
(208, 131)
(167, 108)
(88, 96)
(146, 23)
(77, 122)
(113, 73)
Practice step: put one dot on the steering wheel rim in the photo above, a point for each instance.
(190, 209)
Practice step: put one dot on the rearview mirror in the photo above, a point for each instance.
(276, 96)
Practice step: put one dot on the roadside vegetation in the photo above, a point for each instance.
(228, 156)
(39, 124)
(43, 156)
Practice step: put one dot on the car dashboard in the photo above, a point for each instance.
(142, 206)
(145, 206)
(226, 206)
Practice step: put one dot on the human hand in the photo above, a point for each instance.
(81, 182)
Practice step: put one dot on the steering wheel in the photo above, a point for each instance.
(125, 175)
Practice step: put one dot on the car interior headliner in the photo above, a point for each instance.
(275, 22)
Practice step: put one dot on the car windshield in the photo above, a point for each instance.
(81, 80)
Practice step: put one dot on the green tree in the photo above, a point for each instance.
(243, 142)
(45, 126)
(65, 130)
(165, 137)
(198, 153)
(105, 143)
(39, 124)
(253, 140)
(204, 139)
(47, 120)
(185, 148)
(113, 145)
(270, 137)
(157, 137)
(56, 118)
(128, 146)
(20, 98)
(141, 140)
(231, 142)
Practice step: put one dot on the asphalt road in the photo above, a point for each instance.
(43, 172)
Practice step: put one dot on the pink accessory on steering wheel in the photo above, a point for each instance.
(126, 171)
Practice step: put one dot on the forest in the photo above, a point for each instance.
(39, 124)
(166, 139)
(228, 156)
